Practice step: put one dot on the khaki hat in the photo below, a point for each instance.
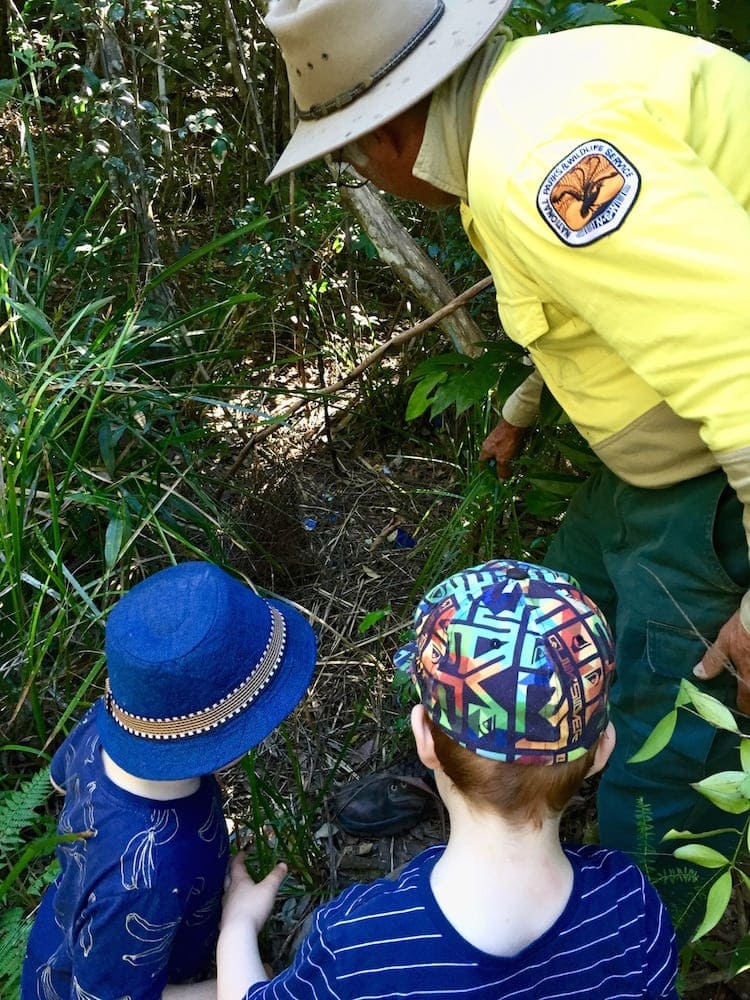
(354, 64)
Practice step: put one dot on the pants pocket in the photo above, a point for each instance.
(671, 654)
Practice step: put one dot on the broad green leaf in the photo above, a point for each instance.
(579, 14)
(716, 904)
(113, 541)
(7, 91)
(550, 411)
(472, 387)
(544, 506)
(683, 694)
(691, 835)
(219, 149)
(514, 373)
(700, 854)
(658, 738)
(558, 483)
(741, 958)
(440, 363)
(92, 80)
(710, 708)
(725, 790)
(529, 7)
(445, 395)
(106, 446)
(643, 17)
(659, 9)
(745, 754)
(372, 618)
(420, 397)
(36, 319)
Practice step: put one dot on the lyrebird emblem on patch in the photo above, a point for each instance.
(588, 193)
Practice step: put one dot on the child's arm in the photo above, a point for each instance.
(246, 908)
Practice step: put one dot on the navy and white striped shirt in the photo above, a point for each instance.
(389, 939)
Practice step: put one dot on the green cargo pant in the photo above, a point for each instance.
(667, 567)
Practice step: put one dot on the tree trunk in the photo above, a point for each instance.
(411, 264)
(128, 132)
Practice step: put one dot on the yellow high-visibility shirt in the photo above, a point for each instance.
(608, 193)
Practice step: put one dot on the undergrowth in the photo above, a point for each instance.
(157, 302)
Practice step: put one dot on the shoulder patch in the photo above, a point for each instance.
(589, 193)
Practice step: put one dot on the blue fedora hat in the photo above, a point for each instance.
(200, 669)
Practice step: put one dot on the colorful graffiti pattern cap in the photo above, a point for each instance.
(513, 662)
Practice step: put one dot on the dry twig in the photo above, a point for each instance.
(396, 341)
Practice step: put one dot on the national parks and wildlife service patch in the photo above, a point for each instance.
(589, 193)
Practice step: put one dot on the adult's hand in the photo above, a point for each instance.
(503, 444)
(730, 651)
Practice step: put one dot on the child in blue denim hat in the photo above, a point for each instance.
(512, 665)
(200, 669)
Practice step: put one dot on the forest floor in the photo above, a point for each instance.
(342, 522)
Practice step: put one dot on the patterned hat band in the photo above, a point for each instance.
(324, 108)
(179, 726)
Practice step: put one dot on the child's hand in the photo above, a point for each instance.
(245, 910)
(248, 901)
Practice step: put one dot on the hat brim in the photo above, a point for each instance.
(462, 29)
(191, 756)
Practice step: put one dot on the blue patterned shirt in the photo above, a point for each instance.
(138, 899)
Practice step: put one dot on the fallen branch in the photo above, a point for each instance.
(367, 362)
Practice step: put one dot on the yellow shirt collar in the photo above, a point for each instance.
(444, 154)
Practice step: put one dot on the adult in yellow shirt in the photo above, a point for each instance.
(602, 176)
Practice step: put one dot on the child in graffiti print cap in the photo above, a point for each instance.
(200, 669)
(512, 664)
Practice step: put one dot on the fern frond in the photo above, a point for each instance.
(675, 876)
(644, 825)
(14, 932)
(18, 808)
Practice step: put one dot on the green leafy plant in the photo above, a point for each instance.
(727, 22)
(25, 837)
(373, 618)
(728, 791)
(282, 823)
(462, 381)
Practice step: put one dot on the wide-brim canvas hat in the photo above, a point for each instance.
(354, 64)
(512, 661)
(200, 670)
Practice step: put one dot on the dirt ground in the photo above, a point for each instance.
(351, 531)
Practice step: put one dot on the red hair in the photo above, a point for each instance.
(522, 793)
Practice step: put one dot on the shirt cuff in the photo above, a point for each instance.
(745, 612)
(522, 406)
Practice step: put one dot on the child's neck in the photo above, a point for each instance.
(147, 788)
(500, 886)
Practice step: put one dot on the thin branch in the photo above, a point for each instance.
(367, 362)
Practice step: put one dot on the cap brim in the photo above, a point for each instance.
(191, 756)
(405, 659)
(462, 29)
